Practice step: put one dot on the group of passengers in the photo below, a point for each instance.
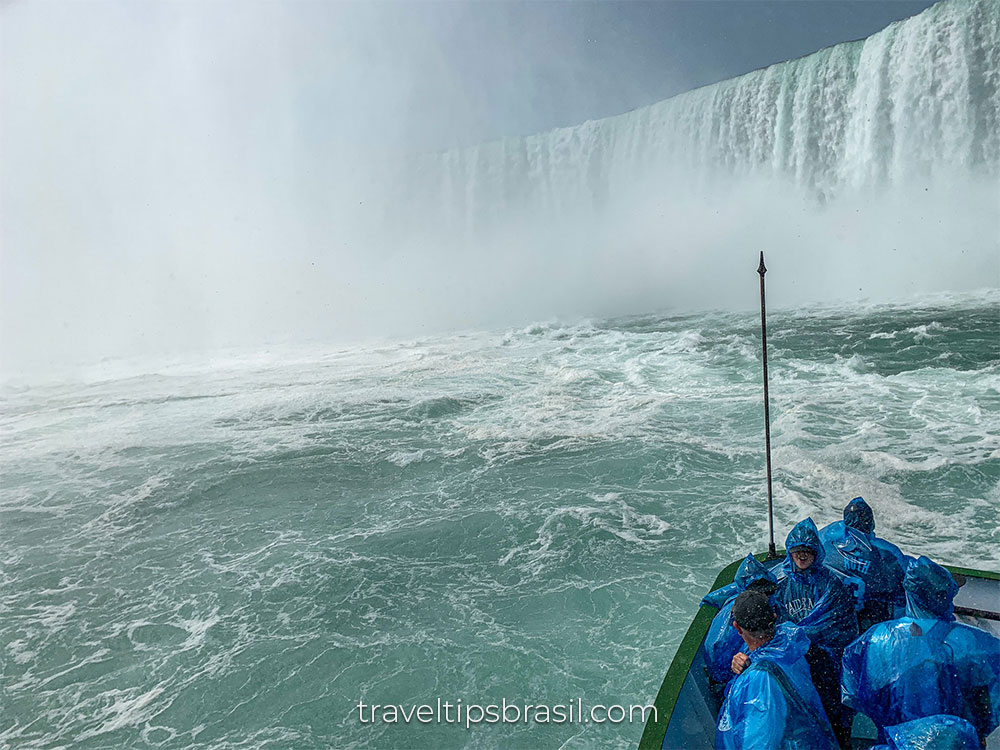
(848, 623)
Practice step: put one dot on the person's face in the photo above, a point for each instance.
(803, 558)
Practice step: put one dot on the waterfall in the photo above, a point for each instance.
(913, 104)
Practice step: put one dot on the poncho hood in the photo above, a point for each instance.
(751, 570)
(930, 590)
(805, 534)
(858, 515)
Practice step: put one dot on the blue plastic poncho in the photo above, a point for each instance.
(814, 598)
(925, 663)
(719, 597)
(853, 550)
(941, 732)
(773, 703)
(930, 591)
(722, 641)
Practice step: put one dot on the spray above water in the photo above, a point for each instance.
(255, 180)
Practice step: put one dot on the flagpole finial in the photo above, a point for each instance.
(761, 269)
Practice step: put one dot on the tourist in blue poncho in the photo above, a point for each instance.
(875, 564)
(814, 598)
(772, 704)
(722, 641)
(925, 663)
(941, 732)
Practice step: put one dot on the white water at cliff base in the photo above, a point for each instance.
(866, 170)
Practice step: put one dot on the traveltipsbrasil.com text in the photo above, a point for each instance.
(469, 714)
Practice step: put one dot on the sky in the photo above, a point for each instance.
(162, 163)
(520, 68)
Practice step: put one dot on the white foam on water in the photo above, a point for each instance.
(95, 658)
(119, 506)
(54, 617)
(128, 708)
(470, 485)
(923, 332)
(197, 628)
(20, 652)
(403, 459)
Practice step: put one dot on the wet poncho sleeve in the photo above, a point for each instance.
(721, 644)
(722, 641)
(720, 596)
(750, 571)
(939, 732)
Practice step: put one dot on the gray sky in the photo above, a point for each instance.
(519, 68)
(170, 171)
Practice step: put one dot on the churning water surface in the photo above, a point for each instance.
(234, 555)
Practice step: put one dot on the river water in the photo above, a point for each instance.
(233, 552)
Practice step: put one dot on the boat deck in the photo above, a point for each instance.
(686, 708)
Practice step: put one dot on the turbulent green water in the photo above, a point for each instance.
(233, 555)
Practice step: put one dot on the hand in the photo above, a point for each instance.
(740, 662)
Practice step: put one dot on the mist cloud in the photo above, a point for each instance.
(176, 177)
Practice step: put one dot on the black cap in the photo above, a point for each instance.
(753, 611)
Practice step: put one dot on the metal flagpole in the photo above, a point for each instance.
(772, 553)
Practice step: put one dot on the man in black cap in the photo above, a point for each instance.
(772, 702)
